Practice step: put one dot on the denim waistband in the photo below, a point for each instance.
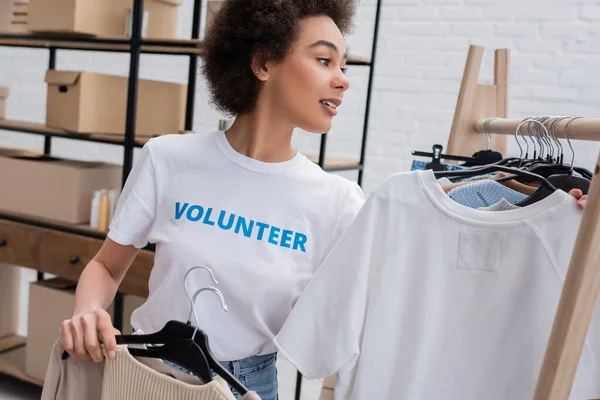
(252, 363)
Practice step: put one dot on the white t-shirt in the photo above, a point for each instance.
(424, 298)
(262, 228)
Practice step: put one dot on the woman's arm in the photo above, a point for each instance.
(96, 289)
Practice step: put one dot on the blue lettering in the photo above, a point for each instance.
(179, 210)
(300, 241)
(222, 217)
(261, 230)
(190, 213)
(241, 224)
(207, 220)
(273, 235)
(286, 237)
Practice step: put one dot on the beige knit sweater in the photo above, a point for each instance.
(125, 378)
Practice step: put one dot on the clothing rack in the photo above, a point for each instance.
(483, 108)
(576, 305)
(582, 283)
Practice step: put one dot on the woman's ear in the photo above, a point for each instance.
(259, 66)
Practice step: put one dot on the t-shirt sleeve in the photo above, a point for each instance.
(322, 332)
(136, 209)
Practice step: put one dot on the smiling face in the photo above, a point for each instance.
(308, 85)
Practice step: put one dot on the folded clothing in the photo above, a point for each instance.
(484, 193)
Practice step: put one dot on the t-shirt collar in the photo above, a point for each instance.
(251, 163)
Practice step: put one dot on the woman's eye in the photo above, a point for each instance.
(324, 61)
(344, 70)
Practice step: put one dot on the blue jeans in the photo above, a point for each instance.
(257, 373)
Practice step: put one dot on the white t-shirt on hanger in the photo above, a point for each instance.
(263, 229)
(424, 298)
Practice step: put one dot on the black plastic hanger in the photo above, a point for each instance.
(561, 176)
(183, 352)
(175, 331)
(436, 156)
(548, 188)
(176, 346)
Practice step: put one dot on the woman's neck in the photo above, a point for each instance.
(262, 136)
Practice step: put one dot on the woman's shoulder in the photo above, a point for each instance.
(169, 142)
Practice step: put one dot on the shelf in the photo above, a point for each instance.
(40, 129)
(72, 42)
(331, 164)
(12, 359)
(181, 47)
(358, 60)
(81, 229)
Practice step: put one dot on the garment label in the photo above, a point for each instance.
(479, 251)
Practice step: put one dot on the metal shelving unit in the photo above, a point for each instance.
(135, 46)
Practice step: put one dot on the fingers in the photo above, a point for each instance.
(107, 333)
(577, 193)
(79, 338)
(581, 202)
(90, 335)
(66, 336)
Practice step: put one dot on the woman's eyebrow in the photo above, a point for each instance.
(329, 44)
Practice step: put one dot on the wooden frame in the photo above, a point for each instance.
(479, 101)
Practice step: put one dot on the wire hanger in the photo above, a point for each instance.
(561, 175)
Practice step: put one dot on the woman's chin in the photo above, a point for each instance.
(317, 128)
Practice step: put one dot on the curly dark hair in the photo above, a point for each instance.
(243, 27)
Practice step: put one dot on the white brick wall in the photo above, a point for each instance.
(422, 48)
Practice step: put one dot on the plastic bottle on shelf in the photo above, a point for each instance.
(94, 210)
(113, 197)
(103, 211)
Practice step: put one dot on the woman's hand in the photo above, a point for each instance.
(581, 198)
(82, 333)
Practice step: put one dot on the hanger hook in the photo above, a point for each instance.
(535, 138)
(185, 283)
(518, 144)
(569, 141)
(552, 138)
(546, 138)
(561, 155)
(518, 131)
(193, 301)
(538, 136)
(486, 124)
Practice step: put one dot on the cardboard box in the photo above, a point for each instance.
(106, 18)
(87, 102)
(130, 304)
(20, 17)
(50, 302)
(53, 188)
(10, 299)
(4, 92)
(6, 7)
